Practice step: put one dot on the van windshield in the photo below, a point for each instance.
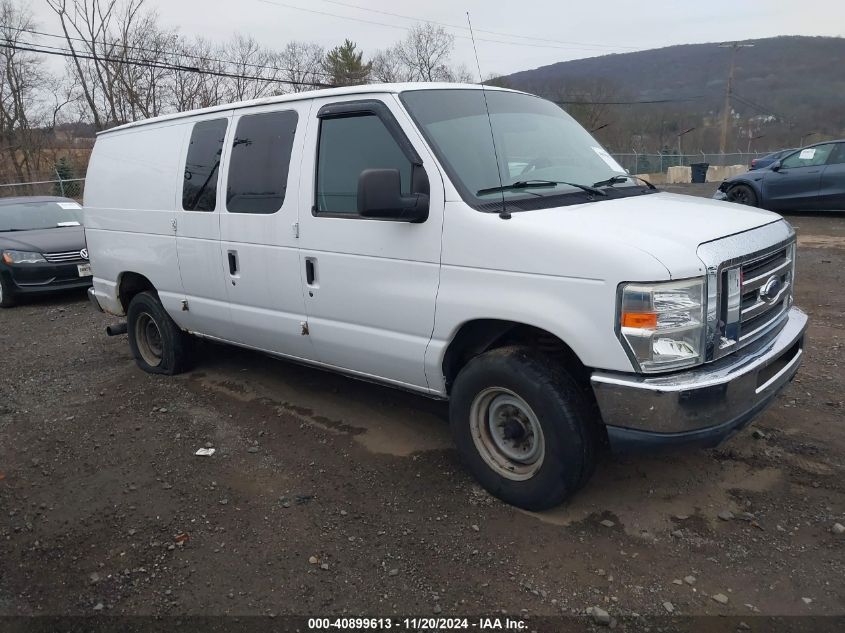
(545, 158)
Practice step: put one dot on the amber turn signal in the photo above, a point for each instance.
(640, 320)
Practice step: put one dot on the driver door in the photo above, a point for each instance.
(795, 185)
(832, 189)
(370, 284)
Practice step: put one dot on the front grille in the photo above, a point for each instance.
(65, 257)
(749, 286)
(766, 293)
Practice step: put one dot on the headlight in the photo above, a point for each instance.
(22, 257)
(663, 324)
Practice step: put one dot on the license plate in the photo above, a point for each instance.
(84, 270)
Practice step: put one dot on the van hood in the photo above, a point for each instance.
(667, 226)
(57, 240)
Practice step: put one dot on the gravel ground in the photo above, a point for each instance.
(332, 496)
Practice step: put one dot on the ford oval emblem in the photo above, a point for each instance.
(84, 253)
(770, 290)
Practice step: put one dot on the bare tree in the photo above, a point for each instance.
(302, 64)
(424, 53)
(27, 117)
(85, 27)
(388, 67)
(142, 65)
(254, 67)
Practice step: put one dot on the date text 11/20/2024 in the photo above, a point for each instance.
(417, 624)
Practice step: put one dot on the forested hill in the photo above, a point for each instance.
(797, 79)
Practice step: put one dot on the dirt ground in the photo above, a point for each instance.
(330, 496)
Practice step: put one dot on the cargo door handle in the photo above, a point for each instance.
(233, 263)
(310, 270)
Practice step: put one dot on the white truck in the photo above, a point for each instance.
(462, 242)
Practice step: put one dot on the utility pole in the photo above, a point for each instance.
(680, 136)
(726, 113)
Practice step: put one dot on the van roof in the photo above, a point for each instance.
(310, 94)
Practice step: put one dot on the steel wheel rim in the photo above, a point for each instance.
(148, 338)
(507, 433)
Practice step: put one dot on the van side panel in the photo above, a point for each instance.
(130, 209)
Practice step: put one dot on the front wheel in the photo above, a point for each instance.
(7, 299)
(742, 194)
(524, 427)
(157, 343)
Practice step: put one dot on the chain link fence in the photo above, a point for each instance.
(66, 188)
(637, 163)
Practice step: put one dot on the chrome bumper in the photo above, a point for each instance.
(702, 406)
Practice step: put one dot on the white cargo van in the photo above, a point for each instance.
(476, 245)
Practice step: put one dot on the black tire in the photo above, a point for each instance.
(742, 194)
(564, 412)
(7, 297)
(166, 352)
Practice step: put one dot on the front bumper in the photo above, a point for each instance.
(43, 278)
(702, 406)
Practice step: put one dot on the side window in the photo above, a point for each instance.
(808, 157)
(837, 156)
(199, 191)
(258, 169)
(348, 146)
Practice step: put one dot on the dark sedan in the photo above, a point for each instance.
(769, 159)
(42, 247)
(810, 178)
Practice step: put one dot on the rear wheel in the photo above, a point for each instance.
(523, 426)
(157, 343)
(742, 194)
(7, 298)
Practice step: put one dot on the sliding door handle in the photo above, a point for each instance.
(233, 262)
(310, 271)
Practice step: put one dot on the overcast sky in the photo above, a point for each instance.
(556, 30)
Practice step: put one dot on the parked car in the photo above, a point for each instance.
(42, 247)
(384, 232)
(811, 178)
(768, 159)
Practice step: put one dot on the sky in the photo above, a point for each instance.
(510, 35)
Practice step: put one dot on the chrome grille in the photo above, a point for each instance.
(766, 292)
(739, 267)
(64, 257)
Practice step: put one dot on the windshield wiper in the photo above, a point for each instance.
(615, 180)
(526, 184)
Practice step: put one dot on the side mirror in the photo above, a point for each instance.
(775, 166)
(380, 196)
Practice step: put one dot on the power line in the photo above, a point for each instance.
(167, 52)
(463, 28)
(761, 108)
(405, 28)
(164, 66)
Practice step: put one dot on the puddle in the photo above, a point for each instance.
(646, 494)
(380, 419)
